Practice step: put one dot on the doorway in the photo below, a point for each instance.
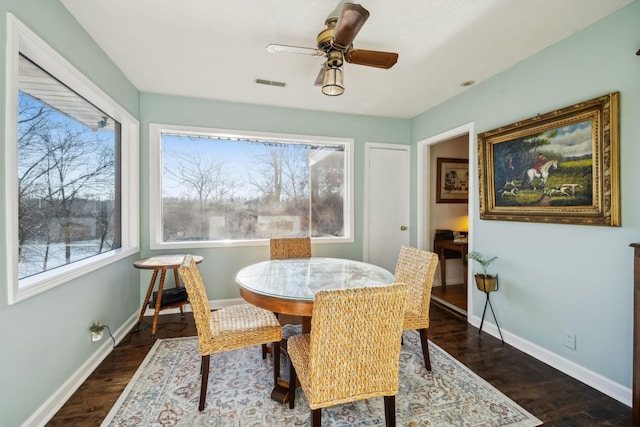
(446, 217)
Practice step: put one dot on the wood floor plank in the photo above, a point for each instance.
(553, 397)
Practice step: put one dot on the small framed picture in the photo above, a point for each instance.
(453, 181)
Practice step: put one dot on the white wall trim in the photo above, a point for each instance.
(610, 388)
(48, 409)
(20, 39)
(53, 404)
(592, 379)
(424, 194)
(156, 130)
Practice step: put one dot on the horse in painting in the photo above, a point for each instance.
(532, 173)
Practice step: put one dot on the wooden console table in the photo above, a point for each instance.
(454, 245)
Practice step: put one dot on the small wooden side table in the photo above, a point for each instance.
(160, 264)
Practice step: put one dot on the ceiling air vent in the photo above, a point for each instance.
(270, 83)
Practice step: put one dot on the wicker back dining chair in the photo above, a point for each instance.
(290, 247)
(353, 350)
(287, 247)
(417, 268)
(228, 328)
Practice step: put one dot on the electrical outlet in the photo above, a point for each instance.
(96, 336)
(96, 330)
(570, 339)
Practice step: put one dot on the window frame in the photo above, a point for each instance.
(155, 182)
(20, 39)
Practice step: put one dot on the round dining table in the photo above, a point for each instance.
(288, 286)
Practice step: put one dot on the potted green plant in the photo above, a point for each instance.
(485, 282)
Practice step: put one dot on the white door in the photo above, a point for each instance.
(386, 210)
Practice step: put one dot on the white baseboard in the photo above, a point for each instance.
(53, 404)
(592, 379)
(604, 385)
(49, 408)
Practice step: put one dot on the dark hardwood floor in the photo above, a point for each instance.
(453, 297)
(553, 397)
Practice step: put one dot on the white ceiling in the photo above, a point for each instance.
(216, 49)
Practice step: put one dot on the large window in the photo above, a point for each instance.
(217, 187)
(64, 167)
(67, 168)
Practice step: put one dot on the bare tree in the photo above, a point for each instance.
(282, 173)
(33, 121)
(75, 169)
(60, 161)
(204, 178)
(295, 171)
(267, 178)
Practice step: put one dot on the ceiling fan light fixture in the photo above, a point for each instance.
(335, 43)
(333, 83)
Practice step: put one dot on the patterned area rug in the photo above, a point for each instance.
(166, 388)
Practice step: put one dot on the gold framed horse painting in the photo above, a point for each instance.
(559, 167)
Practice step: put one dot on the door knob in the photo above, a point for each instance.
(403, 228)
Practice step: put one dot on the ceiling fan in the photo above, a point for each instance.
(335, 43)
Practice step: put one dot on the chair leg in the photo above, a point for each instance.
(390, 411)
(425, 348)
(276, 362)
(205, 380)
(293, 379)
(316, 417)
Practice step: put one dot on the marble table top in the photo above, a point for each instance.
(301, 278)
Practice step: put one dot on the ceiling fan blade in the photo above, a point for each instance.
(371, 58)
(351, 20)
(320, 77)
(281, 48)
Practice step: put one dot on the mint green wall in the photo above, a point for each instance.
(553, 277)
(222, 264)
(45, 339)
(557, 277)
